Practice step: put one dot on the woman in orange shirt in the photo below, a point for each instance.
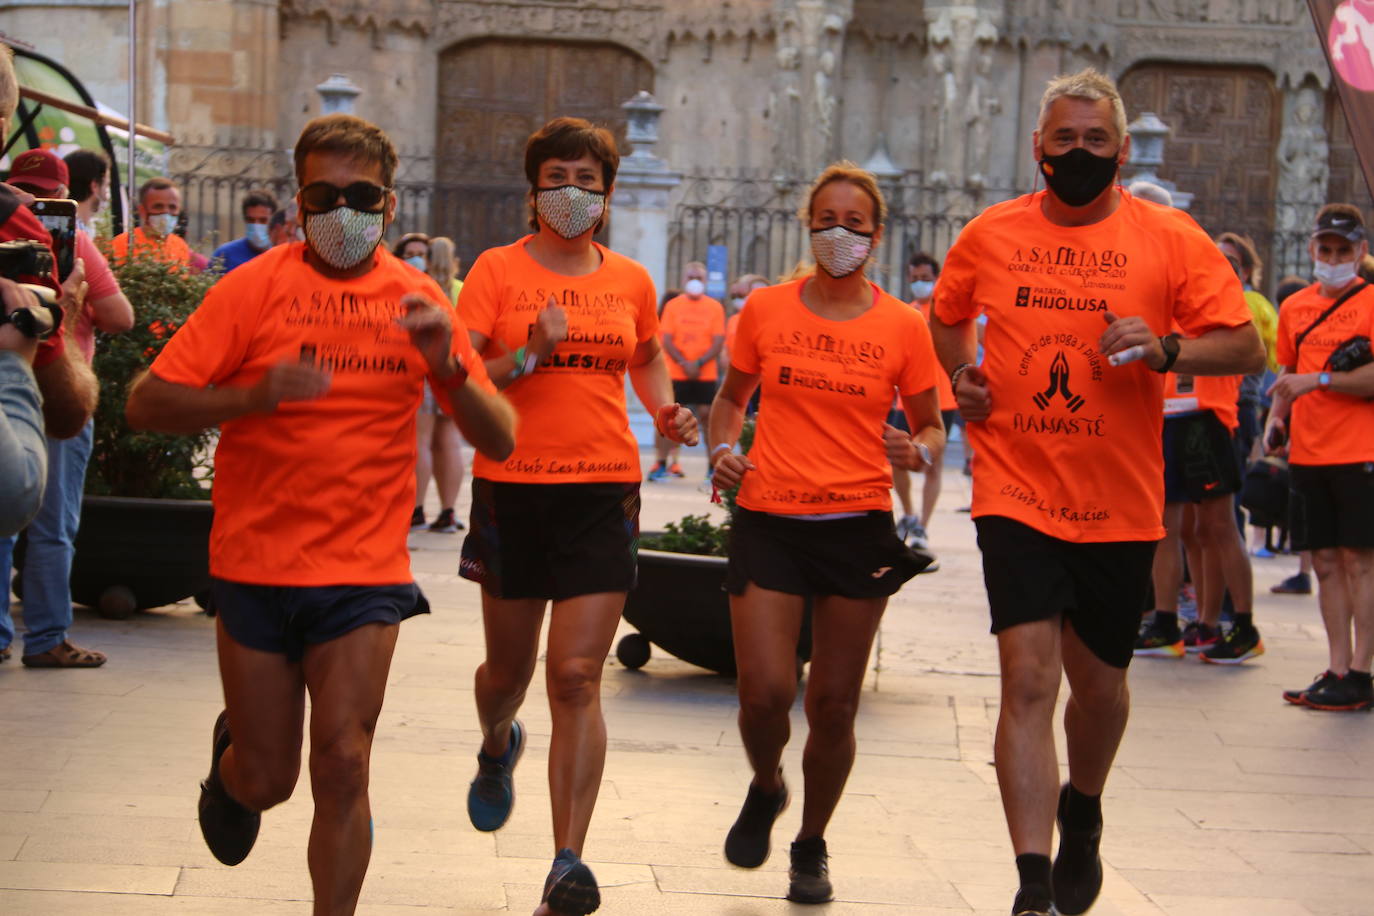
(559, 321)
(814, 516)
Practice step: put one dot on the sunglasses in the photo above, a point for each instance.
(321, 196)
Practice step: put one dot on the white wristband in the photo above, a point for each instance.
(724, 445)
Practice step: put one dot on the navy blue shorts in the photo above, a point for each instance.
(285, 619)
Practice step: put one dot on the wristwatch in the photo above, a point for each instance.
(1324, 381)
(1169, 342)
(924, 451)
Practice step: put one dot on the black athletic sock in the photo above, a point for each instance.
(1167, 619)
(1360, 677)
(1244, 622)
(1034, 870)
(1082, 810)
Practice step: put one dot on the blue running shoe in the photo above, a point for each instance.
(492, 793)
(571, 887)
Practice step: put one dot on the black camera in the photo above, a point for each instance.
(1350, 355)
(23, 258)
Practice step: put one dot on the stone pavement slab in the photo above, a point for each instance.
(1225, 800)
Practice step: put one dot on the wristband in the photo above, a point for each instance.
(958, 371)
(722, 447)
(1169, 343)
(458, 378)
(519, 369)
(1324, 381)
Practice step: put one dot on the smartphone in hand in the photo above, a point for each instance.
(59, 218)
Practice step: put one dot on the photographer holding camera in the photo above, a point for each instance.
(34, 328)
(1322, 404)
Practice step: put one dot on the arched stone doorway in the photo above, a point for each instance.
(1224, 132)
(493, 93)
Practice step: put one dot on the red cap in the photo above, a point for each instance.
(39, 168)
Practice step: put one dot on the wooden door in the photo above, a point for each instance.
(1225, 129)
(493, 94)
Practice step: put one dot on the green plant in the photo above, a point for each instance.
(125, 462)
(697, 534)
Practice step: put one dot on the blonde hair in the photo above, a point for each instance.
(443, 263)
(1088, 83)
(9, 86)
(844, 170)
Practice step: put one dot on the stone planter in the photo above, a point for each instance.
(681, 605)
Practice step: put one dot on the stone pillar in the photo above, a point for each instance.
(806, 84)
(338, 95)
(1147, 134)
(639, 209)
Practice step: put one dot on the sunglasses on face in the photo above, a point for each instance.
(321, 196)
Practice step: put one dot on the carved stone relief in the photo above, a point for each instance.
(962, 43)
(1303, 157)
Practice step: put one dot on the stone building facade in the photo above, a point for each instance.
(939, 97)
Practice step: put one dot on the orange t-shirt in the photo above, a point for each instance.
(171, 248)
(573, 423)
(1072, 447)
(1328, 428)
(827, 388)
(731, 328)
(947, 400)
(694, 323)
(1185, 394)
(316, 492)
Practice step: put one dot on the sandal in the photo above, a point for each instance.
(65, 655)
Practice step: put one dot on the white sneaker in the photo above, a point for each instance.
(906, 524)
(918, 537)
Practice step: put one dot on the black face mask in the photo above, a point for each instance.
(1078, 176)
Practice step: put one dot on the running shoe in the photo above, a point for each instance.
(809, 876)
(446, 523)
(1078, 867)
(1199, 637)
(1299, 697)
(658, 472)
(748, 842)
(230, 829)
(1349, 692)
(676, 470)
(1263, 553)
(906, 524)
(1237, 645)
(1159, 640)
(417, 518)
(918, 538)
(1032, 901)
(571, 887)
(1296, 584)
(491, 796)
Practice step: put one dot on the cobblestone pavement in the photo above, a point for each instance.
(1225, 800)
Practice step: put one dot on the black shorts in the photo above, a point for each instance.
(1331, 505)
(1101, 588)
(951, 419)
(897, 417)
(858, 557)
(1200, 459)
(285, 619)
(551, 540)
(694, 392)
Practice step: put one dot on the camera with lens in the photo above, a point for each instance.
(1350, 355)
(23, 258)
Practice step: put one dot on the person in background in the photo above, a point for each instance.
(257, 208)
(692, 328)
(88, 171)
(284, 226)
(413, 248)
(159, 206)
(1300, 583)
(439, 446)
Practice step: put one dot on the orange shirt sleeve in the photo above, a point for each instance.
(744, 354)
(214, 341)
(119, 245)
(479, 303)
(920, 372)
(1208, 292)
(1286, 353)
(953, 300)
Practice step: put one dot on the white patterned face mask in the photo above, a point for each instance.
(840, 251)
(343, 237)
(569, 210)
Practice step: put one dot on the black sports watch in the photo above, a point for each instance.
(40, 320)
(1170, 344)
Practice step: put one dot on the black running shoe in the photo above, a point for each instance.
(571, 887)
(1078, 867)
(1299, 697)
(1347, 693)
(810, 872)
(230, 829)
(1032, 901)
(417, 519)
(748, 844)
(446, 523)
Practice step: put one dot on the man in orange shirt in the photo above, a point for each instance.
(159, 205)
(692, 330)
(1322, 400)
(1082, 285)
(312, 357)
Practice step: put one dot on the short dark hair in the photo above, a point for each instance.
(1287, 287)
(257, 198)
(570, 138)
(360, 140)
(406, 239)
(278, 219)
(85, 167)
(920, 257)
(156, 183)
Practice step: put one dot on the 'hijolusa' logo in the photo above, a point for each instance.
(1059, 385)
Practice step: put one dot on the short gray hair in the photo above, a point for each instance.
(1089, 84)
(1148, 190)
